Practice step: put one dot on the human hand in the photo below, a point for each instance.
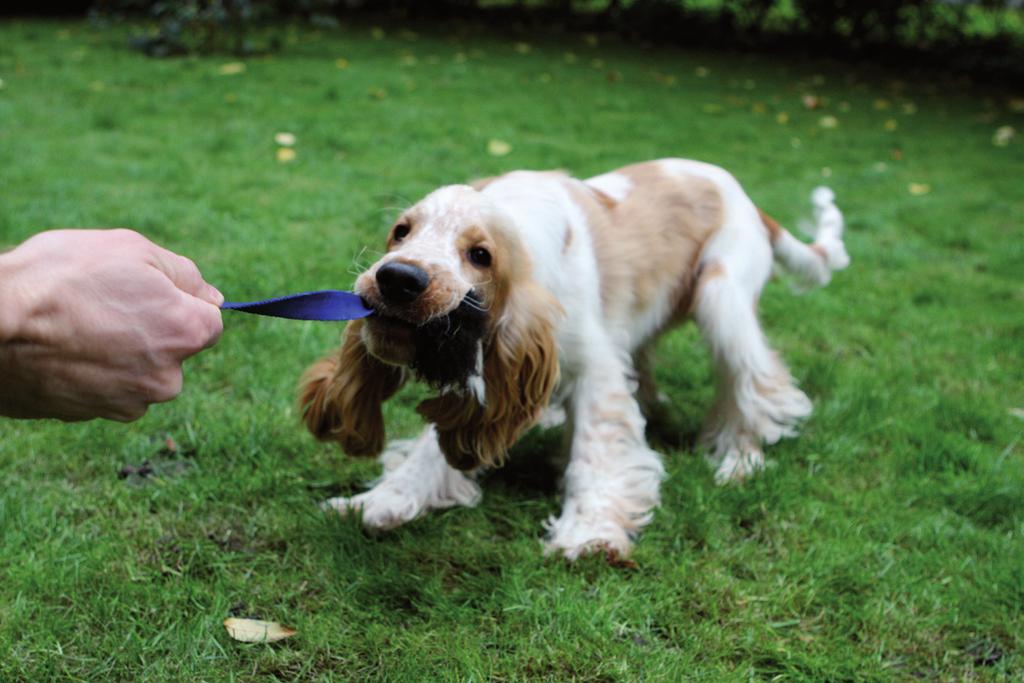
(96, 323)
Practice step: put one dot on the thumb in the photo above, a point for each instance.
(186, 276)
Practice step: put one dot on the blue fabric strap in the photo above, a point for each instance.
(328, 304)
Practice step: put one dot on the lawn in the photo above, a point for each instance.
(885, 543)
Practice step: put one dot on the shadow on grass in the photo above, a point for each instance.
(533, 469)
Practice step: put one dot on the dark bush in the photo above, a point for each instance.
(978, 35)
(210, 26)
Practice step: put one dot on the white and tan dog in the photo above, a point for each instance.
(534, 292)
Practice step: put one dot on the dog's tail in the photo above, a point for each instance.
(812, 263)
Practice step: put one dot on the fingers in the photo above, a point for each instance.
(213, 323)
(202, 328)
(186, 276)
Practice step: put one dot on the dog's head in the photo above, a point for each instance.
(456, 307)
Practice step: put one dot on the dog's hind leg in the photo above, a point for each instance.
(416, 479)
(757, 400)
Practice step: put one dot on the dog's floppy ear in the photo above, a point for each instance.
(340, 396)
(520, 372)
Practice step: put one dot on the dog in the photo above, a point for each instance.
(535, 297)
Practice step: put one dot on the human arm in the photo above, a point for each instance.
(96, 323)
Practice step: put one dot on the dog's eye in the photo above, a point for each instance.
(401, 230)
(480, 257)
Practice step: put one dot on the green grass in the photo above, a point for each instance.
(886, 544)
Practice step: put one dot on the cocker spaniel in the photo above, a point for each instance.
(533, 296)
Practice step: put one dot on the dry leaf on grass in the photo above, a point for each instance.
(1003, 136)
(285, 154)
(231, 68)
(257, 630)
(285, 139)
(919, 188)
(498, 148)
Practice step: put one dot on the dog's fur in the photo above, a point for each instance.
(583, 277)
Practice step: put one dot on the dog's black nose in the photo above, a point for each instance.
(400, 283)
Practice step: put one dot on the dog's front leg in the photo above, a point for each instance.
(416, 479)
(612, 481)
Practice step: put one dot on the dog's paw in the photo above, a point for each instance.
(736, 465)
(381, 508)
(588, 534)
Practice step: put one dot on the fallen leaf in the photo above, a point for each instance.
(285, 154)
(909, 108)
(758, 108)
(341, 63)
(828, 122)
(701, 72)
(891, 125)
(378, 93)
(919, 188)
(1003, 136)
(881, 105)
(896, 153)
(880, 166)
(782, 118)
(256, 630)
(523, 48)
(613, 76)
(285, 139)
(231, 68)
(810, 101)
(498, 148)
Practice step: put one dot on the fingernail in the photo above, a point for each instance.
(217, 296)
